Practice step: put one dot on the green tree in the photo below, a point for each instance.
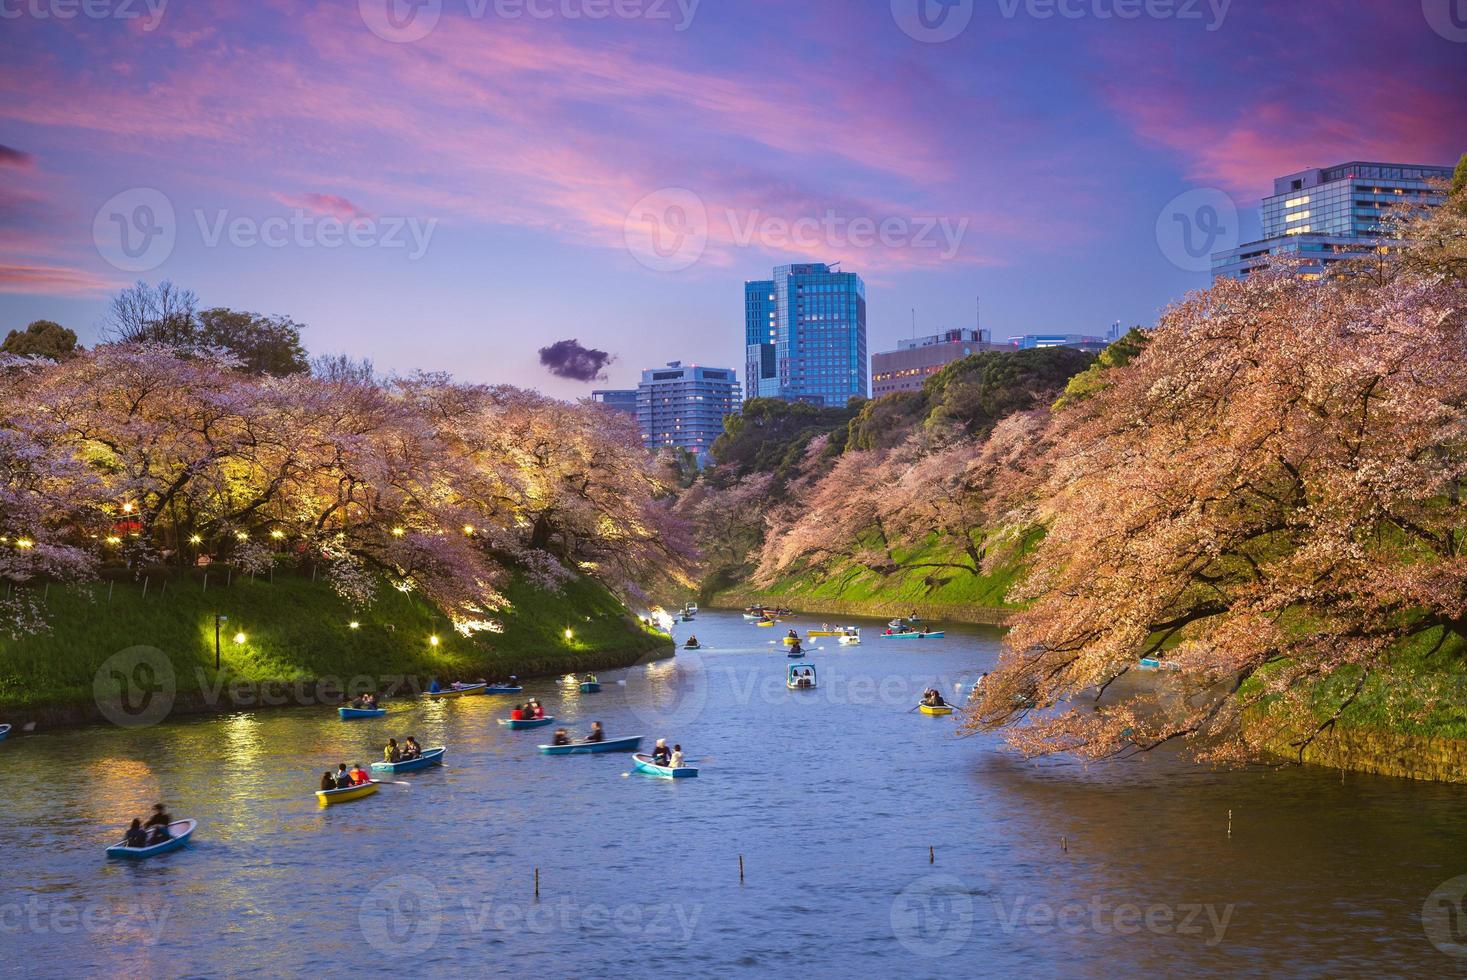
(1093, 378)
(43, 338)
(264, 344)
(977, 391)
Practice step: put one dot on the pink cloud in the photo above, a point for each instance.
(328, 204)
(52, 280)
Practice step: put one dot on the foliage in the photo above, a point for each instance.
(976, 392)
(167, 316)
(131, 454)
(42, 338)
(1092, 379)
(770, 436)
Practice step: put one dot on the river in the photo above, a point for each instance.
(874, 842)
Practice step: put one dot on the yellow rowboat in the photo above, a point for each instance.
(937, 709)
(765, 622)
(328, 796)
(826, 633)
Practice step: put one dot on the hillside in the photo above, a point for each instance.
(297, 632)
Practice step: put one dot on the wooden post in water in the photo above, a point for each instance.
(1230, 825)
(741, 869)
(1065, 844)
(537, 884)
(931, 854)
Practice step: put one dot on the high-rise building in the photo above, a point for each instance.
(685, 406)
(622, 400)
(914, 361)
(805, 335)
(1330, 214)
(1079, 341)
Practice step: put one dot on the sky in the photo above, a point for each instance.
(452, 185)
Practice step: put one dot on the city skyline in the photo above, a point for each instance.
(938, 171)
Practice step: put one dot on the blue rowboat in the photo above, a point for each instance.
(629, 744)
(4, 730)
(351, 714)
(1155, 663)
(430, 757)
(504, 689)
(463, 691)
(178, 834)
(590, 687)
(518, 723)
(934, 635)
(644, 764)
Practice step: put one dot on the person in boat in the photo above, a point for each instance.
(433, 688)
(539, 711)
(676, 759)
(343, 777)
(517, 713)
(411, 749)
(660, 753)
(359, 775)
(328, 781)
(692, 643)
(392, 753)
(597, 733)
(589, 679)
(562, 737)
(136, 836)
(794, 635)
(160, 817)
(795, 646)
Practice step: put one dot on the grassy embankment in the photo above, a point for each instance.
(927, 580)
(296, 630)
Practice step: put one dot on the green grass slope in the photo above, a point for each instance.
(296, 630)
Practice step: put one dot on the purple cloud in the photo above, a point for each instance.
(568, 359)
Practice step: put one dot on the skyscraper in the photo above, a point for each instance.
(805, 335)
(1327, 215)
(685, 406)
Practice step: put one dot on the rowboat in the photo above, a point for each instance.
(629, 744)
(4, 730)
(850, 639)
(936, 709)
(644, 764)
(591, 687)
(934, 635)
(178, 834)
(795, 653)
(518, 723)
(790, 641)
(429, 758)
(798, 682)
(1155, 663)
(504, 689)
(692, 646)
(350, 714)
(458, 692)
(329, 796)
(835, 632)
(765, 622)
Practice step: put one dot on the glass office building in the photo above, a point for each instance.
(685, 406)
(805, 335)
(1330, 214)
(621, 400)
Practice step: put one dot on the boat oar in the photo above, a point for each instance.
(393, 782)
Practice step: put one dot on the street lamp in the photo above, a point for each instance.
(218, 620)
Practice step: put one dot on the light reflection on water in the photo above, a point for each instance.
(833, 797)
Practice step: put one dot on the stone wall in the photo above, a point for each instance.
(1431, 758)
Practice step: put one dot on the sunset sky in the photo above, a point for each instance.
(516, 147)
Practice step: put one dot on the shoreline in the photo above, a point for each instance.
(200, 696)
(971, 615)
